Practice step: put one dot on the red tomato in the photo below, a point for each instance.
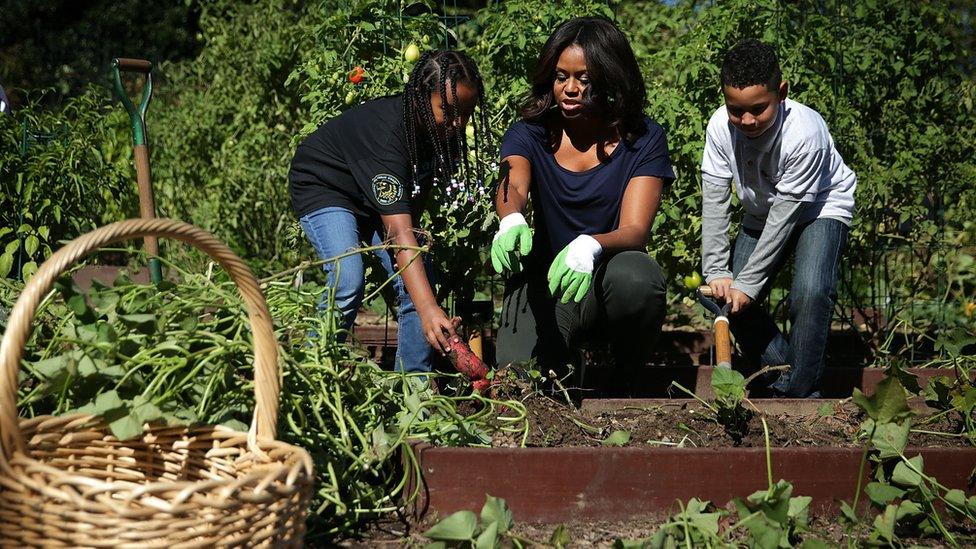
(356, 75)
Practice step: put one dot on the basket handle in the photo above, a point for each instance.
(266, 383)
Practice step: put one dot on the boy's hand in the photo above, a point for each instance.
(739, 300)
(438, 329)
(720, 288)
(571, 272)
(514, 239)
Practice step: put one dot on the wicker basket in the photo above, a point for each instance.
(66, 481)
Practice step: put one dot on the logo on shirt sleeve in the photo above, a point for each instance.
(387, 189)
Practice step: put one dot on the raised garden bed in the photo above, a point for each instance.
(674, 452)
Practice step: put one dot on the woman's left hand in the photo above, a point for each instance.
(571, 273)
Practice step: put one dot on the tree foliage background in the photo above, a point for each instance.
(241, 83)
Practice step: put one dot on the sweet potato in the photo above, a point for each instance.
(466, 361)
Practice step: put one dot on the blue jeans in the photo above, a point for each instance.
(817, 247)
(334, 231)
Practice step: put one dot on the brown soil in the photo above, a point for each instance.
(393, 532)
(555, 423)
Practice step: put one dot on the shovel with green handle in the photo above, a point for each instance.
(140, 147)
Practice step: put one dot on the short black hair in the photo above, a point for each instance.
(618, 86)
(751, 62)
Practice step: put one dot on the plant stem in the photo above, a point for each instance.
(860, 469)
(769, 460)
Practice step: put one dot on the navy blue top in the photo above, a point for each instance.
(567, 204)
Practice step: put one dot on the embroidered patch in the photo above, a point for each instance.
(387, 189)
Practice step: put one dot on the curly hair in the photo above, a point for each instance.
(618, 93)
(751, 62)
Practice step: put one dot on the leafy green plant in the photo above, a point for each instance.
(696, 525)
(62, 172)
(465, 529)
(729, 387)
(905, 495)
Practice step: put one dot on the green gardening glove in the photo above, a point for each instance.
(513, 239)
(571, 273)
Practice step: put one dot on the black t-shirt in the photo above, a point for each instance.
(358, 161)
(567, 204)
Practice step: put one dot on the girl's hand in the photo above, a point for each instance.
(739, 300)
(438, 328)
(720, 288)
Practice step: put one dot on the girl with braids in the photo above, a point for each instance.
(363, 177)
(594, 167)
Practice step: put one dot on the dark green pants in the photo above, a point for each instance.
(624, 309)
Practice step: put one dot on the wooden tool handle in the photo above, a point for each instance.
(723, 344)
(126, 64)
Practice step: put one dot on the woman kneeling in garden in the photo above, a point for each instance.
(594, 167)
(364, 176)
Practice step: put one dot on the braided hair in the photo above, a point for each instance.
(436, 72)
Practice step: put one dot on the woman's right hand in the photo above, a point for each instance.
(720, 288)
(438, 328)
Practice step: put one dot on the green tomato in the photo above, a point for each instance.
(412, 53)
(693, 281)
(425, 40)
(469, 131)
(350, 98)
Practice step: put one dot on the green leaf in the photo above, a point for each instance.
(617, 438)
(30, 245)
(889, 401)
(86, 366)
(956, 497)
(78, 305)
(143, 323)
(412, 402)
(6, 264)
(52, 368)
(488, 539)
(848, 514)
(884, 524)
(799, 509)
(107, 402)
(103, 302)
(882, 494)
(728, 384)
(825, 410)
(106, 333)
(909, 510)
(235, 424)
(560, 537)
(28, 269)
(903, 475)
(891, 438)
(813, 543)
(125, 427)
(144, 410)
(495, 510)
(459, 526)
